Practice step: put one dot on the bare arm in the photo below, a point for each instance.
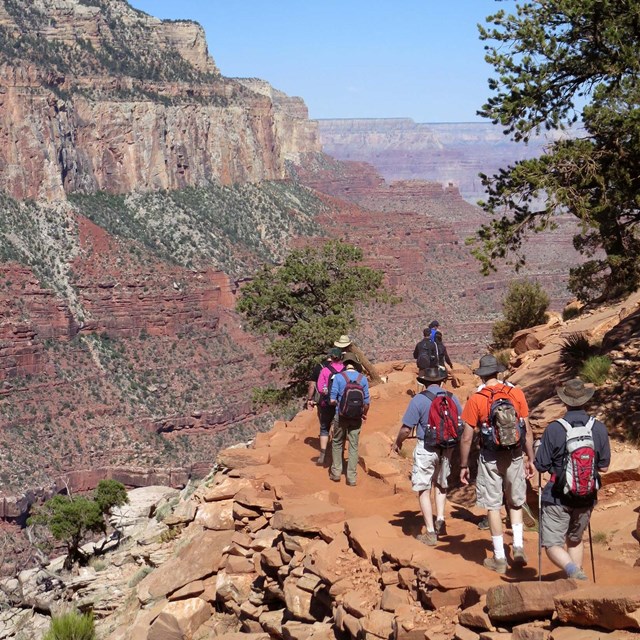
(403, 434)
(530, 470)
(465, 447)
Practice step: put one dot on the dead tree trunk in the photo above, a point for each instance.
(367, 365)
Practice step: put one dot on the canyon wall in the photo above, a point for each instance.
(449, 153)
(77, 114)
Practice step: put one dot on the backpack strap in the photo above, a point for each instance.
(568, 426)
(333, 371)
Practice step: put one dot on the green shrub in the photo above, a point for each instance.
(503, 356)
(595, 369)
(71, 626)
(570, 312)
(140, 575)
(575, 350)
(524, 306)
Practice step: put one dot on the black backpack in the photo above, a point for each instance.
(428, 358)
(352, 400)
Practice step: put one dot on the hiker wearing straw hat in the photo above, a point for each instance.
(500, 411)
(435, 414)
(574, 449)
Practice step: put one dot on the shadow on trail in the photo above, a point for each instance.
(411, 522)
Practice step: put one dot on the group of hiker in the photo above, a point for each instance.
(573, 449)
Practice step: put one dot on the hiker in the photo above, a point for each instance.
(499, 410)
(435, 414)
(443, 356)
(327, 411)
(350, 394)
(571, 493)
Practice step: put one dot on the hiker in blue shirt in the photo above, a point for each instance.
(350, 394)
(431, 464)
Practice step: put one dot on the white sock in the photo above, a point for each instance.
(517, 530)
(498, 547)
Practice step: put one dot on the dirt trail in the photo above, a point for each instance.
(465, 546)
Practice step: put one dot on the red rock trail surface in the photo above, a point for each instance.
(457, 559)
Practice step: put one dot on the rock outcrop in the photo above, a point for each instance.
(102, 97)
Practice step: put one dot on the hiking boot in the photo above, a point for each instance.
(334, 478)
(578, 574)
(519, 557)
(320, 460)
(441, 528)
(351, 483)
(483, 523)
(499, 565)
(429, 538)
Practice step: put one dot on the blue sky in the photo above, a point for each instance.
(352, 58)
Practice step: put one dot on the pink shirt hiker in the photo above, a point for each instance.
(325, 374)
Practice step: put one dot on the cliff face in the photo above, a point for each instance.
(401, 149)
(101, 97)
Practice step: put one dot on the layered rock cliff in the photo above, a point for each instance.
(100, 97)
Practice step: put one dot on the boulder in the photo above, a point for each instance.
(239, 458)
(306, 515)
(198, 559)
(610, 607)
(378, 624)
(476, 616)
(368, 535)
(521, 601)
(184, 513)
(227, 489)
(393, 597)
(217, 516)
(531, 631)
(179, 620)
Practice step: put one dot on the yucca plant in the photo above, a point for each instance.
(575, 350)
(71, 626)
(595, 369)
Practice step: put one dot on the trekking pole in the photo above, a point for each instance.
(536, 446)
(593, 564)
(539, 526)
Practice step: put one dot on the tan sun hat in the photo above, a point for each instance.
(575, 393)
(342, 342)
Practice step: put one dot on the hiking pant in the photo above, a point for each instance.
(347, 429)
(325, 416)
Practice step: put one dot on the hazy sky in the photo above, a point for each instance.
(352, 58)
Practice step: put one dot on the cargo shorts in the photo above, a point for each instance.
(505, 475)
(561, 524)
(430, 465)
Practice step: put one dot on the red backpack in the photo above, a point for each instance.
(579, 480)
(444, 426)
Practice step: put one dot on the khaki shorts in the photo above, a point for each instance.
(429, 464)
(505, 474)
(561, 524)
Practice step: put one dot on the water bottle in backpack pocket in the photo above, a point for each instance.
(444, 426)
(579, 479)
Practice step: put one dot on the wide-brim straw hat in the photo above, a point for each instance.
(575, 393)
(342, 342)
(433, 374)
(488, 366)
